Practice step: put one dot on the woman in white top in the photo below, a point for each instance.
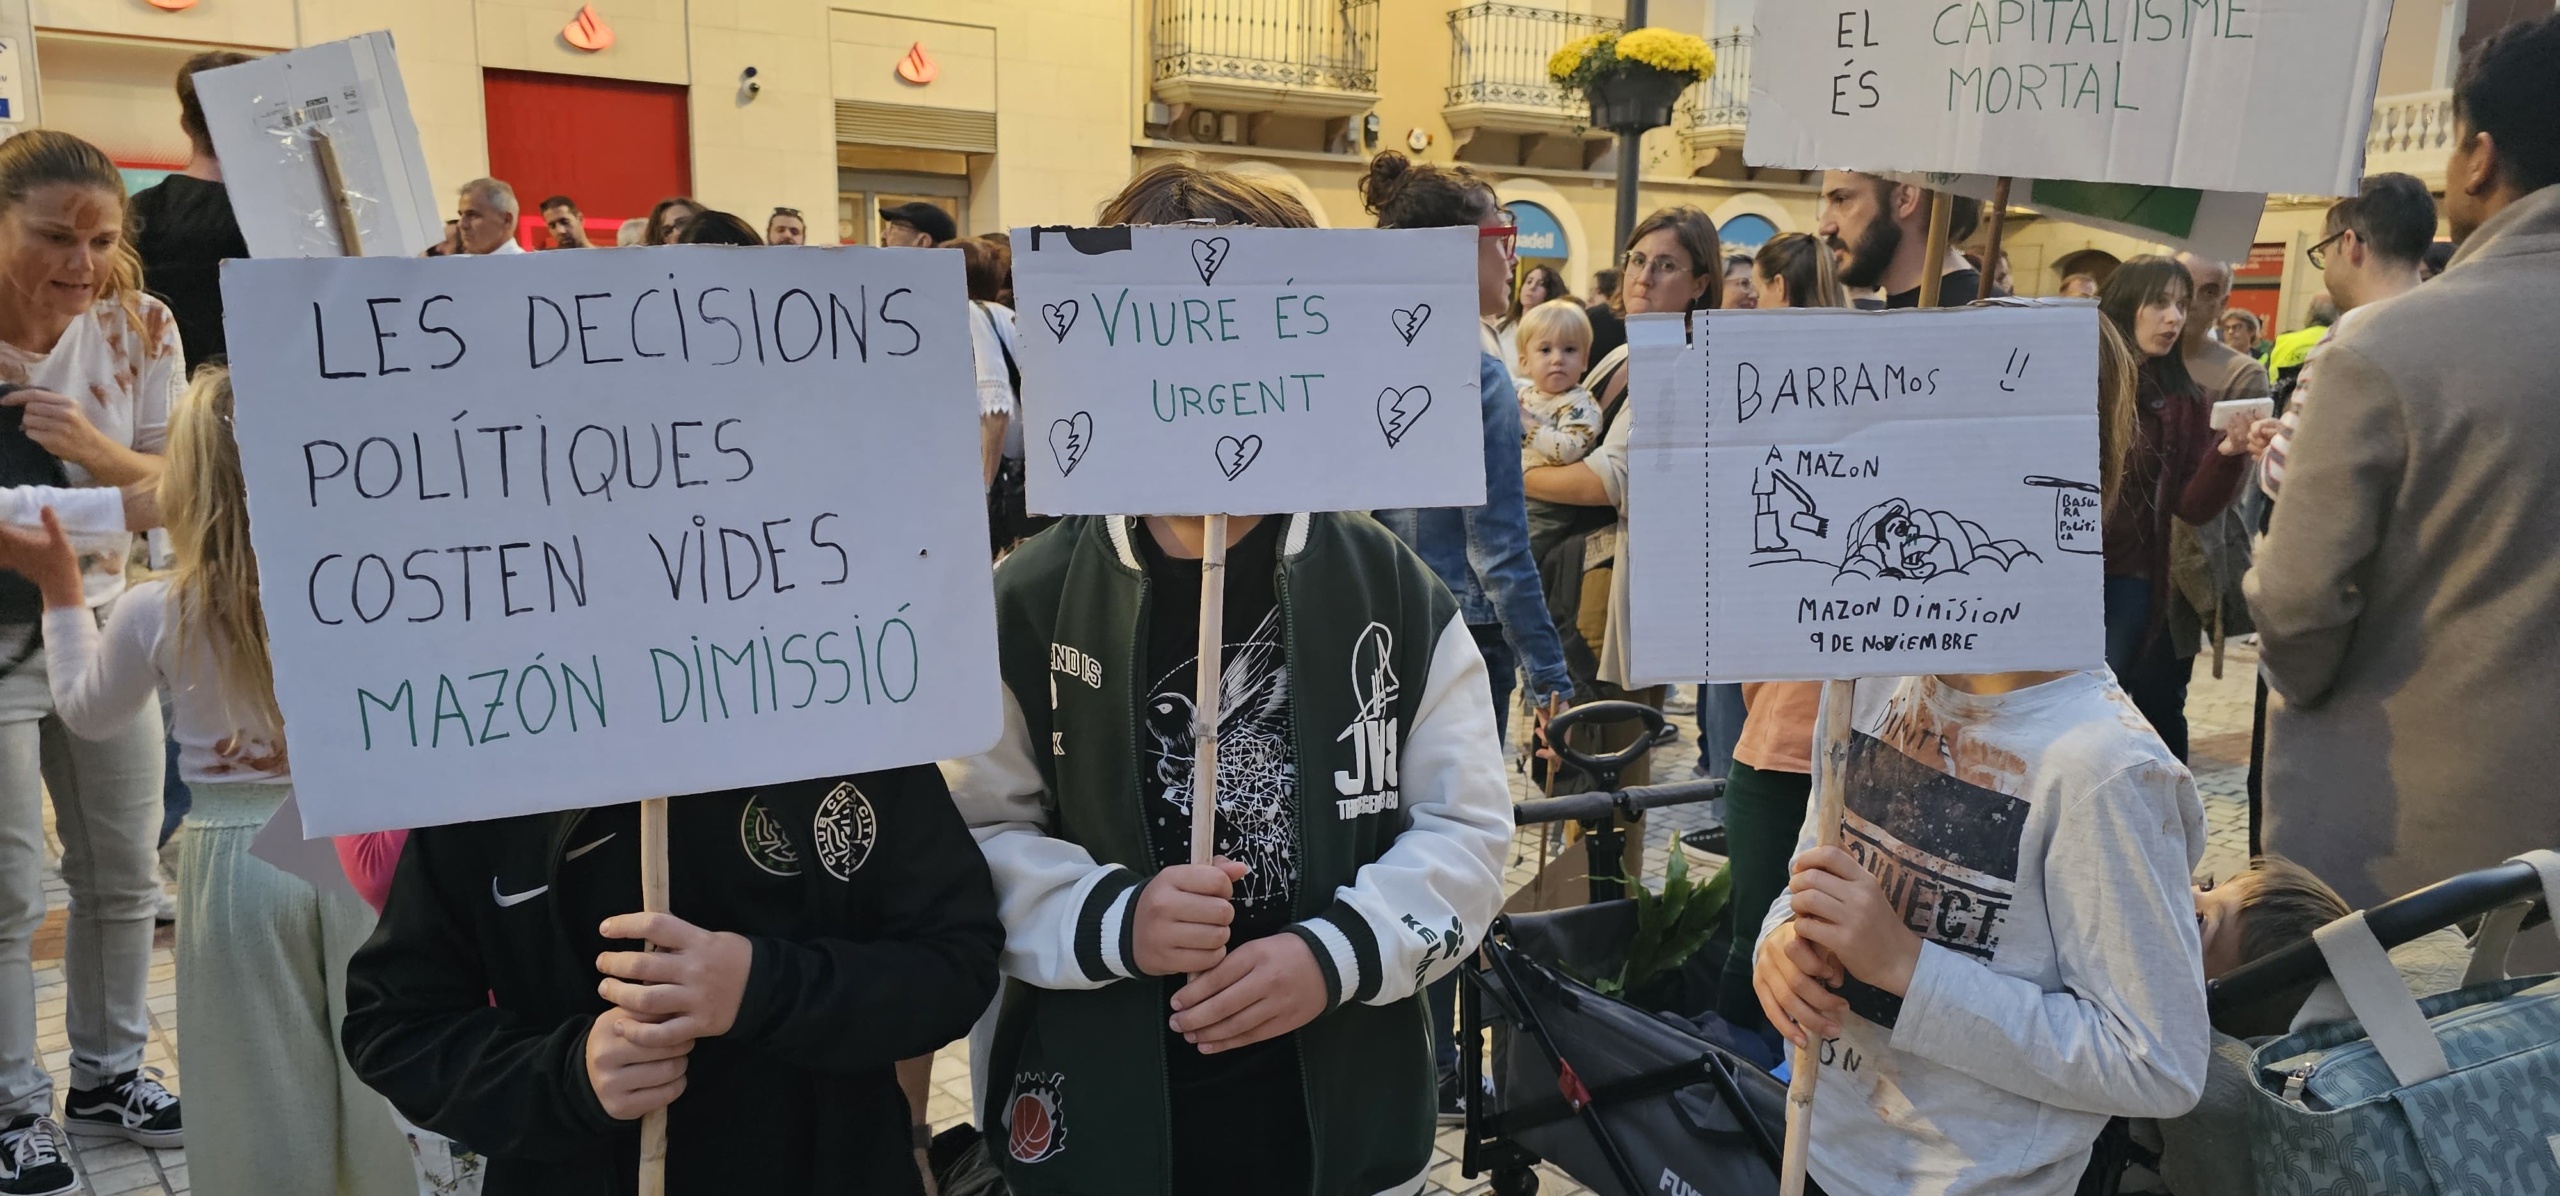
(261, 954)
(99, 360)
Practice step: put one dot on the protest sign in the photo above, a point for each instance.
(319, 152)
(562, 530)
(1819, 494)
(2217, 95)
(1190, 370)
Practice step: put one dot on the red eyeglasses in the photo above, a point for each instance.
(1507, 234)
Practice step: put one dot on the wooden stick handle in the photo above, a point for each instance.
(350, 241)
(1942, 208)
(1205, 694)
(1999, 218)
(1837, 697)
(653, 900)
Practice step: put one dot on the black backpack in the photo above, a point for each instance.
(23, 462)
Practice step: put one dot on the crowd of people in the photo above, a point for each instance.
(1140, 1021)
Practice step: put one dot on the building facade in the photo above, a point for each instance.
(1014, 112)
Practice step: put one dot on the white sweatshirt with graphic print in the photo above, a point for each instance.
(2041, 841)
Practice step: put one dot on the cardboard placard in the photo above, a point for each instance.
(1191, 370)
(569, 529)
(268, 118)
(2218, 95)
(1818, 494)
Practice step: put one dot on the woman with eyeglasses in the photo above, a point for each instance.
(2179, 466)
(1577, 512)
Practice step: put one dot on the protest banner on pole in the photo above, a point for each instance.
(565, 530)
(1193, 371)
(320, 153)
(2107, 91)
(1821, 494)
(1216, 371)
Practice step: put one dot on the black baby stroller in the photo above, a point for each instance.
(1624, 1100)
(1627, 1101)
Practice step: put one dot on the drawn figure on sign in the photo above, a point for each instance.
(1233, 454)
(1897, 540)
(1398, 410)
(1059, 316)
(1408, 321)
(1257, 769)
(1778, 506)
(1207, 255)
(2078, 525)
(1068, 440)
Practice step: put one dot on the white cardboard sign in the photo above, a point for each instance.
(1818, 494)
(568, 529)
(2219, 95)
(1191, 370)
(263, 116)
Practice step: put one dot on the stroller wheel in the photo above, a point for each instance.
(1515, 1181)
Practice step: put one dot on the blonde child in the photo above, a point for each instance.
(1558, 420)
(261, 954)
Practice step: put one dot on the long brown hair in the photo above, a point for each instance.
(1804, 264)
(1180, 189)
(1556, 289)
(2119, 389)
(657, 233)
(213, 591)
(44, 157)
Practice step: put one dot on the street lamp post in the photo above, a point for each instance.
(1630, 155)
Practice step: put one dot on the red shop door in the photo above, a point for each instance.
(616, 147)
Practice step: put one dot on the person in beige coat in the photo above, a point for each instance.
(2407, 594)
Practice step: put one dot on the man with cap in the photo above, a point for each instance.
(917, 225)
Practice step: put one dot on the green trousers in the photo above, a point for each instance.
(1763, 814)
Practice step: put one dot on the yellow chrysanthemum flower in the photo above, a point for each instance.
(1667, 50)
(1568, 57)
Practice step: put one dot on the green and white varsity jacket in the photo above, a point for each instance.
(1403, 817)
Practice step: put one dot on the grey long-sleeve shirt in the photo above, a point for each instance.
(2041, 841)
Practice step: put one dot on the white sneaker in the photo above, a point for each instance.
(164, 905)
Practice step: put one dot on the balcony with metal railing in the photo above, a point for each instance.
(2411, 134)
(1714, 112)
(1293, 57)
(1498, 70)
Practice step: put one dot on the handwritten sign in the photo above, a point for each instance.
(1832, 494)
(266, 117)
(2219, 95)
(1198, 371)
(567, 529)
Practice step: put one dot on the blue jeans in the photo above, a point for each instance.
(2149, 669)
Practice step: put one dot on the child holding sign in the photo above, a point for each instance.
(2040, 836)
(1252, 1025)
(261, 955)
(829, 928)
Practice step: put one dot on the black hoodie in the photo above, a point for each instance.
(875, 935)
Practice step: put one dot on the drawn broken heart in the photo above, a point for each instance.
(1059, 316)
(1234, 455)
(1209, 254)
(1398, 409)
(1068, 440)
(1409, 320)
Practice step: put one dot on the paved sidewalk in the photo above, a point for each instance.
(2219, 711)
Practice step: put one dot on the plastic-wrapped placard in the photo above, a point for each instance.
(294, 128)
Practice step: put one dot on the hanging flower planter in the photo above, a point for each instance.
(1632, 79)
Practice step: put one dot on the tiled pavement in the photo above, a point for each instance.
(2218, 709)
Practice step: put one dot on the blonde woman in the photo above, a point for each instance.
(261, 954)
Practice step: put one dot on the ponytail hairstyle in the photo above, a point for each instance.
(1403, 193)
(44, 157)
(214, 588)
(1804, 264)
(1181, 189)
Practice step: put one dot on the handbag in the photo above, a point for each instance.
(2456, 1094)
(1009, 517)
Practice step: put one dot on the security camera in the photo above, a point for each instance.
(754, 87)
(747, 82)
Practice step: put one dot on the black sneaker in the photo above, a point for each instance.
(1453, 1105)
(33, 1158)
(133, 1106)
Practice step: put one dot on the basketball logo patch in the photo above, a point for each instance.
(767, 845)
(845, 828)
(1035, 1123)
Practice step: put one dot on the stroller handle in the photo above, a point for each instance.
(1626, 803)
(1605, 769)
(2445, 903)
